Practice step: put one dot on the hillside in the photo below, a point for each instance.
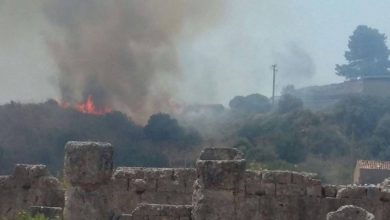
(37, 133)
(286, 136)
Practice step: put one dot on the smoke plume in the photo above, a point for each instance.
(121, 52)
(296, 64)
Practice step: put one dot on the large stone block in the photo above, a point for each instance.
(290, 190)
(88, 163)
(253, 185)
(30, 185)
(221, 168)
(313, 188)
(282, 177)
(350, 212)
(352, 192)
(298, 178)
(214, 205)
(248, 208)
(224, 175)
(22, 171)
(186, 178)
(330, 190)
(83, 205)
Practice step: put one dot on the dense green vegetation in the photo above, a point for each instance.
(37, 133)
(327, 142)
(287, 136)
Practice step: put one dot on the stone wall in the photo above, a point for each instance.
(220, 188)
(159, 211)
(29, 185)
(97, 192)
(133, 186)
(224, 191)
(295, 196)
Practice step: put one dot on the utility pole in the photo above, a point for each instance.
(274, 70)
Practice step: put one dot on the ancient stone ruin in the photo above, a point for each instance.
(220, 188)
(350, 212)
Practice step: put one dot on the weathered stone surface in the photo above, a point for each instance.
(330, 190)
(386, 183)
(219, 185)
(352, 192)
(29, 185)
(86, 205)
(290, 190)
(221, 174)
(124, 217)
(313, 188)
(350, 212)
(220, 189)
(282, 177)
(52, 213)
(162, 212)
(385, 195)
(214, 205)
(140, 186)
(30, 171)
(221, 154)
(253, 184)
(373, 192)
(298, 178)
(88, 163)
(88, 168)
(134, 185)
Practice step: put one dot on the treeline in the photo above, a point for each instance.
(37, 133)
(283, 136)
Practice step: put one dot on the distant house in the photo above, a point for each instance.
(371, 171)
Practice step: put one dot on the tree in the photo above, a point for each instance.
(367, 56)
(161, 127)
(254, 103)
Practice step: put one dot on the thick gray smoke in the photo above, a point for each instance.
(122, 52)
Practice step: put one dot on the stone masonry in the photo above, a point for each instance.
(350, 212)
(220, 188)
(88, 168)
(29, 185)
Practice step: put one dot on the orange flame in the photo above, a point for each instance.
(88, 107)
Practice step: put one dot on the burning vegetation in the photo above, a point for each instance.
(87, 107)
(122, 53)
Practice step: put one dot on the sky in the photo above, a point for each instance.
(305, 38)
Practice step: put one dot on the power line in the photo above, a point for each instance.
(274, 70)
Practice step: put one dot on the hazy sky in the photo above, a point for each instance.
(233, 57)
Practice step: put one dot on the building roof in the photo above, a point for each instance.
(373, 164)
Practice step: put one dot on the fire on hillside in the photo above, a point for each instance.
(87, 107)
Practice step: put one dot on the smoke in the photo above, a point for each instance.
(296, 65)
(123, 52)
